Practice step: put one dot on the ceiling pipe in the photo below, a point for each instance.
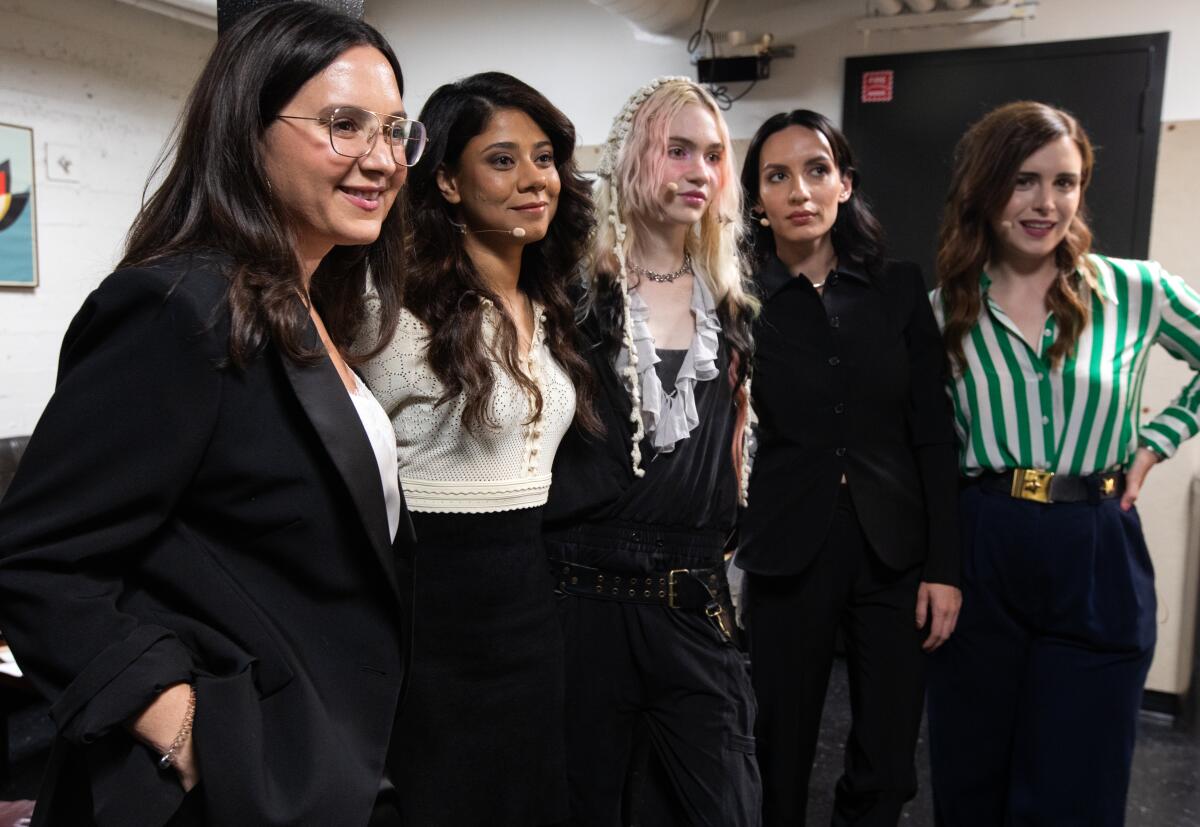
(660, 17)
(201, 13)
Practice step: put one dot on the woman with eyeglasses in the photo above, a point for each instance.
(205, 558)
(481, 380)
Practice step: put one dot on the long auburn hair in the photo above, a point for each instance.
(446, 291)
(216, 194)
(857, 235)
(986, 163)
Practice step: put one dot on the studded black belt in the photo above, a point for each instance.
(676, 589)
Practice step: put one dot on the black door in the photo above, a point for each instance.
(904, 145)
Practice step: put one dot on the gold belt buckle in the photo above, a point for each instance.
(671, 586)
(1032, 484)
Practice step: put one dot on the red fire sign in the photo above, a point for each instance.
(877, 86)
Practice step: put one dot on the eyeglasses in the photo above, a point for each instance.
(352, 133)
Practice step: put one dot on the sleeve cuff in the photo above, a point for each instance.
(120, 683)
(942, 574)
(1168, 431)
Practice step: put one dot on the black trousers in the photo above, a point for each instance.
(668, 670)
(1033, 703)
(792, 623)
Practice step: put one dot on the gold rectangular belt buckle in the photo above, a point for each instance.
(1032, 484)
(671, 586)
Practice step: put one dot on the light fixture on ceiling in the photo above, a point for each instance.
(909, 14)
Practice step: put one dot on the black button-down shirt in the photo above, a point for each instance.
(851, 383)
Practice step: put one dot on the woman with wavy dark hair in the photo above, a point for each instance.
(481, 380)
(1033, 704)
(852, 497)
(208, 573)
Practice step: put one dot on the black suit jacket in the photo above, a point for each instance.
(172, 520)
(853, 384)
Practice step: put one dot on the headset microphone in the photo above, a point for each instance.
(515, 232)
(672, 186)
(1008, 225)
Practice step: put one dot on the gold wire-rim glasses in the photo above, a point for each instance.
(412, 132)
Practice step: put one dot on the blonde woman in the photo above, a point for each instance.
(639, 519)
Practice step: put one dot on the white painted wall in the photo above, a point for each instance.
(109, 79)
(586, 60)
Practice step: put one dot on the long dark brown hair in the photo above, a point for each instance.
(857, 235)
(986, 163)
(446, 291)
(215, 196)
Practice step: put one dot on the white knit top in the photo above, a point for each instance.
(443, 466)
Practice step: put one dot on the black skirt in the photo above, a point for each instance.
(480, 738)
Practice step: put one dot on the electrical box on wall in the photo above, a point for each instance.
(733, 69)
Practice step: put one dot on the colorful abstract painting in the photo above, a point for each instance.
(18, 214)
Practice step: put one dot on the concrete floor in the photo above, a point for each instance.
(1164, 790)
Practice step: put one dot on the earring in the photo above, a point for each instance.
(766, 222)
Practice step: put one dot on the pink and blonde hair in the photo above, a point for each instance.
(631, 179)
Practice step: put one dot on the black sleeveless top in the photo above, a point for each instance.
(694, 487)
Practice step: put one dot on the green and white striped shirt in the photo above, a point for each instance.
(1012, 410)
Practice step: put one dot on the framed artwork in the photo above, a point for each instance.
(18, 212)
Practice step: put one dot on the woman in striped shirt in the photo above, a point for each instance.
(1033, 703)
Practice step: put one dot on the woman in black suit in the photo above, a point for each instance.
(204, 555)
(852, 497)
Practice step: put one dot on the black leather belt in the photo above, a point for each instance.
(1048, 487)
(687, 589)
(676, 589)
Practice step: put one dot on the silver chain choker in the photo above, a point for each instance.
(665, 278)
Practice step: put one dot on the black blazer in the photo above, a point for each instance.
(176, 521)
(853, 385)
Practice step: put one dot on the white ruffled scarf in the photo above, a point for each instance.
(671, 417)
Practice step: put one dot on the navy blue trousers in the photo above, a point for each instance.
(1033, 702)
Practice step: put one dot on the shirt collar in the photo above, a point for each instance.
(774, 275)
(1096, 279)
